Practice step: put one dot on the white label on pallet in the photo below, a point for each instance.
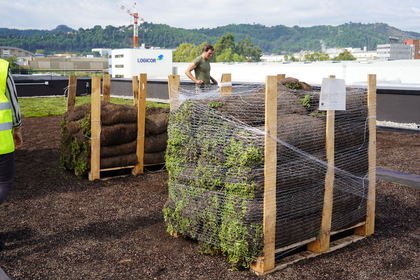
(333, 95)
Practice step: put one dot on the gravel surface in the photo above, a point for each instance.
(58, 226)
(399, 125)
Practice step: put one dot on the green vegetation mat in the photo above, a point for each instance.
(34, 107)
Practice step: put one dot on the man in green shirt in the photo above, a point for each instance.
(201, 65)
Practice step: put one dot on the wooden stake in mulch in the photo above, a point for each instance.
(106, 87)
(369, 227)
(226, 90)
(141, 123)
(95, 129)
(71, 92)
(281, 76)
(135, 90)
(266, 263)
(323, 243)
(174, 88)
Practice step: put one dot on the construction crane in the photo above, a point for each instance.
(136, 29)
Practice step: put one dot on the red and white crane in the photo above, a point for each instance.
(136, 28)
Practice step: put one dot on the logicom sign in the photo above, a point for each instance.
(149, 60)
(146, 60)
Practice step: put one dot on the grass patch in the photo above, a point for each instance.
(33, 107)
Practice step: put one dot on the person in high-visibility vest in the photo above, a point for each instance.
(10, 129)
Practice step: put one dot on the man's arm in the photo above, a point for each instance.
(214, 81)
(17, 137)
(191, 67)
(11, 95)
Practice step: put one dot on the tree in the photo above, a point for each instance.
(197, 51)
(246, 49)
(316, 56)
(12, 62)
(256, 54)
(290, 57)
(228, 56)
(309, 57)
(227, 41)
(183, 53)
(225, 56)
(345, 56)
(324, 57)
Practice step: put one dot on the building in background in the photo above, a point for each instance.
(11, 51)
(126, 63)
(391, 51)
(415, 43)
(358, 53)
(102, 52)
(95, 64)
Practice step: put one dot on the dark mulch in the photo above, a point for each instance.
(58, 226)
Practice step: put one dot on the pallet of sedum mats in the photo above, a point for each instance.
(252, 173)
(111, 138)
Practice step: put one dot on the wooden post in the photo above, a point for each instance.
(225, 91)
(266, 263)
(322, 244)
(71, 92)
(106, 90)
(281, 76)
(174, 88)
(369, 227)
(141, 123)
(135, 90)
(95, 158)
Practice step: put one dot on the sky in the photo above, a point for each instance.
(196, 14)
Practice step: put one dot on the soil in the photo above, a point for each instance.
(56, 225)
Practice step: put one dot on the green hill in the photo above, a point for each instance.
(275, 39)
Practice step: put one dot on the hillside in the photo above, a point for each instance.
(293, 39)
(275, 39)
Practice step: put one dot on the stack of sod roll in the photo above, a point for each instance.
(215, 159)
(118, 136)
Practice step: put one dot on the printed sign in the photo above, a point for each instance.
(333, 95)
(149, 60)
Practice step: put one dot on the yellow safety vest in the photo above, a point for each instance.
(6, 122)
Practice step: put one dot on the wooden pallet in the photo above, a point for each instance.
(139, 93)
(292, 259)
(128, 170)
(114, 170)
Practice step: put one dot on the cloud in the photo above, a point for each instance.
(190, 14)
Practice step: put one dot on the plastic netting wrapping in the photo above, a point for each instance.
(215, 158)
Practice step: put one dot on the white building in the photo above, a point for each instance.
(126, 63)
(272, 58)
(362, 55)
(395, 51)
(102, 52)
(358, 53)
